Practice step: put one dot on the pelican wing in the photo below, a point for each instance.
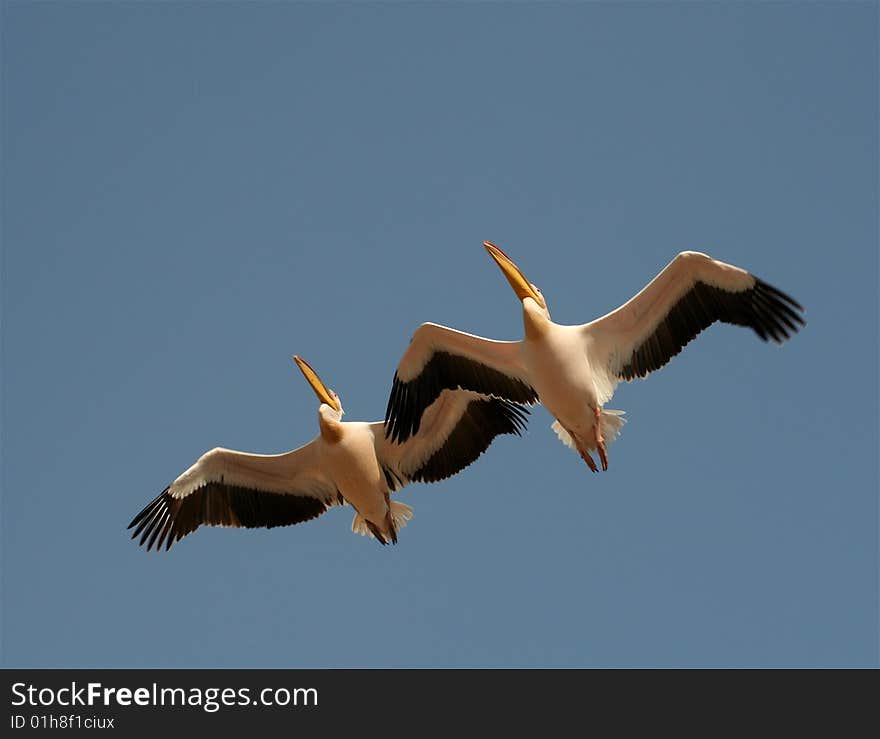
(229, 488)
(440, 358)
(454, 431)
(691, 293)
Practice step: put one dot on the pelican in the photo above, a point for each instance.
(348, 462)
(574, 370)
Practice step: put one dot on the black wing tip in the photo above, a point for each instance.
(766, 286)
(776, 315)
(142, 514)
(483, 420)
(446, 371)
(166, 519)
(399, 421)
(154, 524)
(516, 415)
(772, 314)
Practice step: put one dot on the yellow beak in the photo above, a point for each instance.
(521, 286)
(324, 395)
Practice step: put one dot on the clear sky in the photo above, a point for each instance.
(192, 192)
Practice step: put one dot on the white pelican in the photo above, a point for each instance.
(573, 370)
(348, 462)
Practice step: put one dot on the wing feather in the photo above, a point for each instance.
(689, 295)
(455, 430)
(229, 488)
(440, 358)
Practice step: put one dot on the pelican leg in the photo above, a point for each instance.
(389, 520)
(374, 530)
(600, 440)
(582, 450)
(585, 455)
(603, 455)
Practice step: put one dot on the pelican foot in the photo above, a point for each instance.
(588, 459)
(603, 455)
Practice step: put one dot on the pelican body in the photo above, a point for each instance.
(347, 463)
(573, 370)
(564, 381)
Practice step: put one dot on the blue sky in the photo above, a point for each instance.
(193, 192)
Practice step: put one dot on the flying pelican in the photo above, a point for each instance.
(348, 462)
(573, 370)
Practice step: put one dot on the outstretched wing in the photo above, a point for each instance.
(455, 430)
(691, 293)
(440, 358)
(229, 488)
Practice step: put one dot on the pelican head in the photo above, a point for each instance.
(521, 286)
(325, 394)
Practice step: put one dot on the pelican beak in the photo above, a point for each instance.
(321, 390)
(521, 286)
